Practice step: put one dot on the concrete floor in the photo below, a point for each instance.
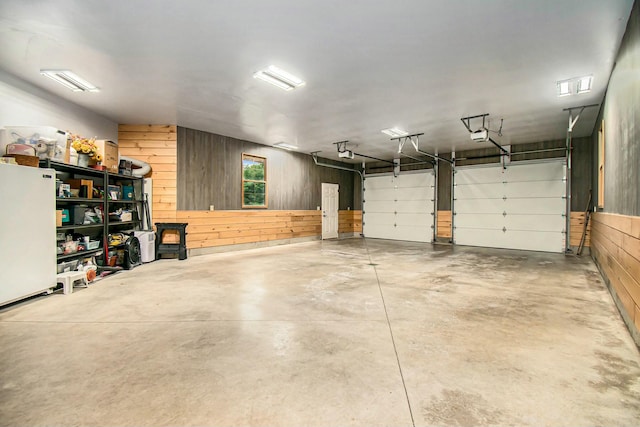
(335, 333)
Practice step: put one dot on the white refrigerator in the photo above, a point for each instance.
(27, 231)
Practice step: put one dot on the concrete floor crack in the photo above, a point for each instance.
(393, 342)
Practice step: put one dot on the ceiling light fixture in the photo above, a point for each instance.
(285, 146)
(395, 132)
(576, 85)
(584, 84)
(70, 80)
(280, 78)
(564, 88)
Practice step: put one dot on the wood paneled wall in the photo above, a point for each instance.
(616, 249)
(350, 221)
(577, 227)
(156, 145)
(221, 228)
(210, 173)
(444, 225)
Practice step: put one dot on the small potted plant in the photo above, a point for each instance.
(87, 150)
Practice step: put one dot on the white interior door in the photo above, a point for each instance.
(520, 207)
(330, 201)
(399, 208)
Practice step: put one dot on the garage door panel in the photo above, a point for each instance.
(552, 241)
(522, 240)
(425, 194)
(534, 171)
(415, 180)
(529, 204)
(373, 206)
(481, 206)
(379, 182)
(417, 219)
(479, 175)
(380, 232)
(414, 234)
(548, 205)
(417, 206)
(399, 208)
(382, 194)
(534, 189)
(379, 217)
(535, 222)
(479, 237)
(479, 191)
(483, 221)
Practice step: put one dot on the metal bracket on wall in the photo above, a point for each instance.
(568, 147)
(414, 139)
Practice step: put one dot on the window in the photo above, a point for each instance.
(254, 181)
(601, 165)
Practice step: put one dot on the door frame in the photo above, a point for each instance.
(332, 234)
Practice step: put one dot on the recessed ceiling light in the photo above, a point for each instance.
(70, 80)
(280, 78)
(285, 146)
(584, 84)
(395, 132)
(564, 88)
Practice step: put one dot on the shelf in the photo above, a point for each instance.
(78, 254)
(124, 201)
(112, 223)
(124, 177)
(63, 167)
(79, 227)
(77, 200)
(101, 179)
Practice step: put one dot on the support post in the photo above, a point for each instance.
(453, 181)
(567, 235)
(435, 202)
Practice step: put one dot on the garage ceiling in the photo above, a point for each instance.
(415, 64)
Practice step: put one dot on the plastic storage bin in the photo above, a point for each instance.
(147, 245)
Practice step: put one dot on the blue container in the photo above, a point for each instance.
(127, 192)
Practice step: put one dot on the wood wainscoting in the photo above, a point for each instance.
(444, 225)
(222, 228)
(349, 221)
(615, 247)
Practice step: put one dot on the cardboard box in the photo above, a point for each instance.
(59, 218)
(109, 152)
(78, 183)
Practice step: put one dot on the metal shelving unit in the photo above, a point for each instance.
(101, 179)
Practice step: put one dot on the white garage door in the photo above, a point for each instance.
(399, 208)
(520, 207)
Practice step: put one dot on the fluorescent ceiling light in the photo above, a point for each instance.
(70, 80)
(280, 78)
(584, 84)
(564, 88)
(395, 132)
(285, 146)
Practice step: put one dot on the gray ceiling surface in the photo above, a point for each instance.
(419, 65)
